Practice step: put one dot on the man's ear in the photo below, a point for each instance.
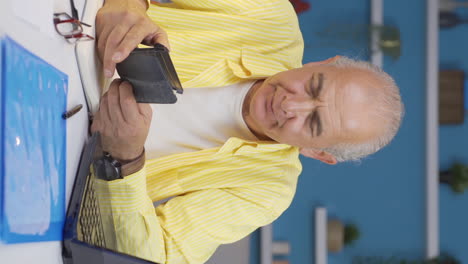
(318, 155)
(317, 63)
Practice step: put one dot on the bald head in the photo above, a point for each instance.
(378, 97)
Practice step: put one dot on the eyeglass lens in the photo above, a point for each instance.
(68, 28)
(79, 37)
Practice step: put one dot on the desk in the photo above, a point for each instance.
(56, 51)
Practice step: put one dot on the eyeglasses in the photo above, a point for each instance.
(70, 28)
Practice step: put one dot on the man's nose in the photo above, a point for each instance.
(297, 105)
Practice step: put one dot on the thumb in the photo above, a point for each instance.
(145, 110)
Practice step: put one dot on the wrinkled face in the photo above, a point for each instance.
(316, 106)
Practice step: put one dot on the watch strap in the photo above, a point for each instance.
(131, 166)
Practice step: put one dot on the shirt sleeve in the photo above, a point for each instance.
(130, 223)
(197, 223)
(189, 227)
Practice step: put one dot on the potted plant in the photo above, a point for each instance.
(456, 177)
(342, 34)
(351, 234)
(339, 235)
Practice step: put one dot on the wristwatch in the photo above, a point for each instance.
(107, 168)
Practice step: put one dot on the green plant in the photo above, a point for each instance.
(351, 234)
(456, 177)
(442, 259)
(343, 34)
(390, 41)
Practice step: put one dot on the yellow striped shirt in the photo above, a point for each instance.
(220, 194)
(216, 43)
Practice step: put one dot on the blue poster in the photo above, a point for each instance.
(33, 154)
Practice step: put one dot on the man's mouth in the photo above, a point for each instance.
(271, 106)
(271, 109)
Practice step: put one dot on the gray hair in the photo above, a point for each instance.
(390, 108)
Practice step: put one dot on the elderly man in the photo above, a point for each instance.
(227, 153)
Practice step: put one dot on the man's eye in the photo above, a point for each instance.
(315, 85)
(318, 85)
(315, 124)
(312, 87)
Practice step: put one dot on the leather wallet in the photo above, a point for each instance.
(152, 75)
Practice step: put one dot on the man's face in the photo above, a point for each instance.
(315, 107)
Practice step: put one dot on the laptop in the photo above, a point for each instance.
(84, 239)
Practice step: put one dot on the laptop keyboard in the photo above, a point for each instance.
(90, 229)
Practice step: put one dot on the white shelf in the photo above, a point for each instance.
(376, 20)
(432, 129)
(266, 244)
(321, 235)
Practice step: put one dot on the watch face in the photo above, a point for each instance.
(107, 169)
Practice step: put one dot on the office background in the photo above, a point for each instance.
(384, 195)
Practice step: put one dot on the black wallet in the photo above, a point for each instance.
(152, 75)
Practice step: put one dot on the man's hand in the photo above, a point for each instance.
(120, 26)
(122, 122)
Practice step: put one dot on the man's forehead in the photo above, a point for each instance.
(359, 113)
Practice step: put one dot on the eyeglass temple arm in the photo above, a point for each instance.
(73, 10)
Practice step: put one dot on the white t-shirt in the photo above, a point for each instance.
(202, 118)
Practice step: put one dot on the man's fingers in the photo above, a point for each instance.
(128, 103)
(102, 40)
(96, 125)
(112, 42)
(115, 112)
(146, 111)
(132, 39)
(160, 36)
(104, 111)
